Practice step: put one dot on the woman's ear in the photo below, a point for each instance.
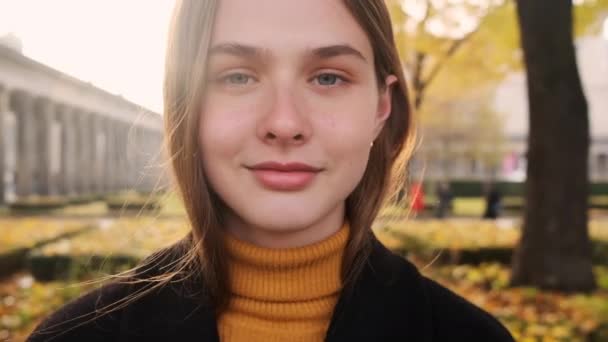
(384, 104)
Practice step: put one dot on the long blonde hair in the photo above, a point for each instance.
(186, 57)
(198, 261)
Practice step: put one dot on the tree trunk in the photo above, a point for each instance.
(554, 251)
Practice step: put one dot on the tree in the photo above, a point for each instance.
(462, 37)
(452, 47)
(555, 250)
(452, 51)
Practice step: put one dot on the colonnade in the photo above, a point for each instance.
(49, 148)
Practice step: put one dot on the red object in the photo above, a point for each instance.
(417, 198)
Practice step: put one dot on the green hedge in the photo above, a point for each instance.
(415, 247)
(38, 204)
(463, 188)
(133, 200)
(14, 260)
(152, 206)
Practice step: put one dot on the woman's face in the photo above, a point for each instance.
(289, 81)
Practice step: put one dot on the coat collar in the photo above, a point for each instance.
(388, 302)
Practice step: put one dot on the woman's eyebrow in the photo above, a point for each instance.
(249, 51)
(330, 51)
(238, 50)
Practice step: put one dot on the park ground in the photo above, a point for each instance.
(48, 257)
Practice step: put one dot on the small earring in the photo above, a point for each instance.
(371, 144)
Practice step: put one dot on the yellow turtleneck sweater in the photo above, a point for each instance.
(282, 294)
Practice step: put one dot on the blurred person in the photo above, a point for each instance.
(444, 198)
(493, 201)
(285, 122)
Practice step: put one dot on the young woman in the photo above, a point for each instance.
(284, 123)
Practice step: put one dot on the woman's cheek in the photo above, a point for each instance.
(347, 144)
(349, 127)
(350, 134)
(219, 127)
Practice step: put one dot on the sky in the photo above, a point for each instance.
(117, 45)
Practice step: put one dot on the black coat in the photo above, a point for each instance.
(391, 301)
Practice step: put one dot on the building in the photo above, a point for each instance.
(64, 138)
(465, 154)
(511, 100)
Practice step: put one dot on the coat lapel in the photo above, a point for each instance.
(388, 303)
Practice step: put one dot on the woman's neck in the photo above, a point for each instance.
(288, 236)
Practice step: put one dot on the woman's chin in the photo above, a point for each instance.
(287, 222)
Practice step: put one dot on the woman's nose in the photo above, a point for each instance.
(284, 122)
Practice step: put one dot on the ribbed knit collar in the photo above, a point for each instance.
(279, 290)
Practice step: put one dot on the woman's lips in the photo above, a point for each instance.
(283, 176)
(284, 180)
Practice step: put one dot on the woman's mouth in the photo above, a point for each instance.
(284, 176)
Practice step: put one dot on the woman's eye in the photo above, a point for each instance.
(328, 79)
(236, 79)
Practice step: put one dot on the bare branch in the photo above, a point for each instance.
(454, 47)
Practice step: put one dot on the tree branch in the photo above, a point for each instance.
(454, 47)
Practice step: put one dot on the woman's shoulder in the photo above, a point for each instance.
(104, 313)
(455, 316)
(440, 311)
(87, 318)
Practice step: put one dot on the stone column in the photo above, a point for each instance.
(83, 165)
(116, 152)
(56, 152)
(91, 156)
(78, 146)
(69, 157)
(22, 105)
(145, 166)
(103, 158)
(163, 170)
(159, 178)
(119, 155)
(110, 166)
(46, 147)
(94, 153)
(4, 107)
(135, 146)
(140, 169)
(155, 161)
(126, 155)
(129, 155)
(100, 153)
(143, 160)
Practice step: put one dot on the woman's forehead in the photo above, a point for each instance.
(273, 26)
